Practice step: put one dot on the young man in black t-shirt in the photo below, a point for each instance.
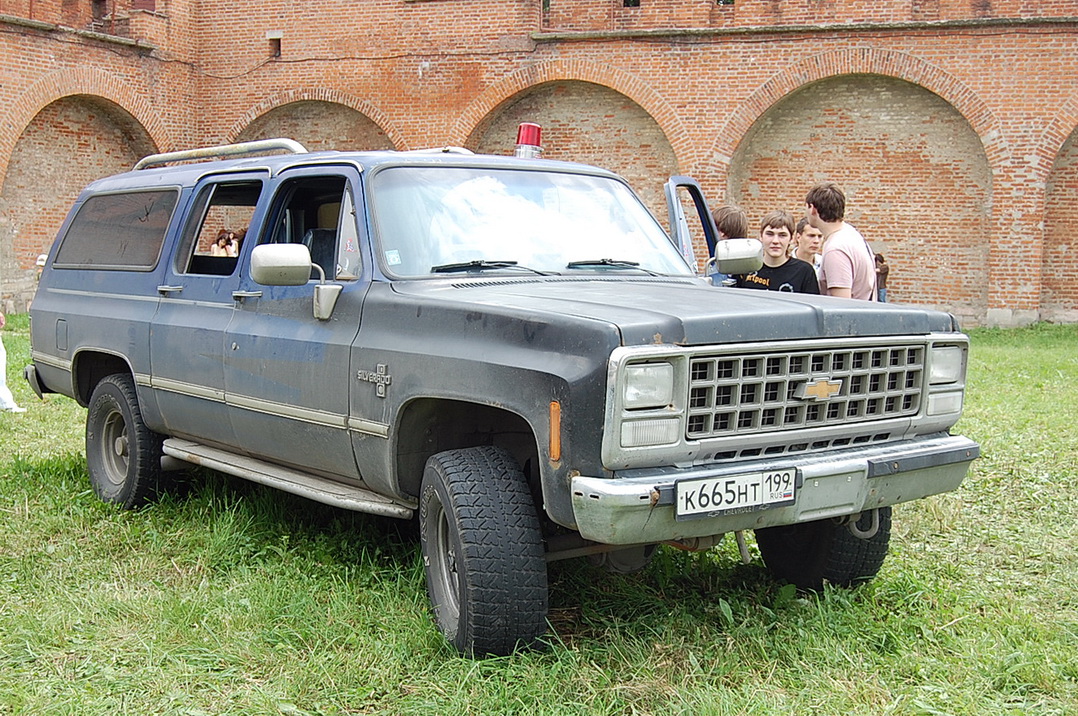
(780, 272)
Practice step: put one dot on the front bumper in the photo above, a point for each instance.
(637, 506)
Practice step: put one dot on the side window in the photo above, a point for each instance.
(318, 212)
(217, 228)
(121, 231)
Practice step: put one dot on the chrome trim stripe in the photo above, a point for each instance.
(268, 407)
(369, 427)
(46, 359)
(292, 412)
(184, 388)
(98, 294)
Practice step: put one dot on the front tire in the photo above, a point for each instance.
(810, 553)
(122, 454)
(482, 551)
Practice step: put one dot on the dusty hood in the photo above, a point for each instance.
(682, 311)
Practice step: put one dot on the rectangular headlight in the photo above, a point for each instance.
(655, 431)
(946, 365)
(648, 385)
(945, 403)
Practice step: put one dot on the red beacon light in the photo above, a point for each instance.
(529, 140)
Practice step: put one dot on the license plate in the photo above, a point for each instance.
(735, 493)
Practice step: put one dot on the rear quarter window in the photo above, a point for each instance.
(119, 231)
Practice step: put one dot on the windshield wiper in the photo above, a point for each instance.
(613, 263)
(482, 265)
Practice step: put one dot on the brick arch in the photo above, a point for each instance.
(93, 83)
(318, 94)
(825, 65)
(1063, 124)
(581, 71)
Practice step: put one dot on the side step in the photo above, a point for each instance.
(303, 484)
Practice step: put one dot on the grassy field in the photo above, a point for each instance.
(234, 599)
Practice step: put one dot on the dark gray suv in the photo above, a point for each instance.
(512, 350)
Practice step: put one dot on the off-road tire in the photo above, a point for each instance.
(122, 454)
(482, 551)
(811, 553)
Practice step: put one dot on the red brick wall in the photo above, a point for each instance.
(587, 123)
(69, 144)
(318, 125)
(963, 123)
(1059, 299)
(916, 176)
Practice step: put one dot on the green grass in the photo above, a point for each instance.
(234, 599)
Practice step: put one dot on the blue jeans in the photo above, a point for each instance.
(881, 295)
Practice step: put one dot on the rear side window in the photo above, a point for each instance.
(122, 231)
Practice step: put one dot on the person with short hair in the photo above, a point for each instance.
(847, 269)
(882, 269)
(731, 222)
(780, 272)
(808, 240)
(7, 400)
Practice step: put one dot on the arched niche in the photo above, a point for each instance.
(69, 143)
(917, 180)
(318, 125)
(589, 123)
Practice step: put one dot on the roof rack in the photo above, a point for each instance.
(243, 149)
(441, 150)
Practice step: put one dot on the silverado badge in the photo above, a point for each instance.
(380, 377)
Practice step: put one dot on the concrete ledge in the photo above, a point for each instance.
(49, 27)
(1010, 318)
(833, 27)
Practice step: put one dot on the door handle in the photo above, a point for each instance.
(240, 295)
(169, 289)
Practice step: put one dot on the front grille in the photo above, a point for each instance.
(787, 390)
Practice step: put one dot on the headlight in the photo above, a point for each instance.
(654, 431)
(946, 365)
(648, 385)
(945, 403)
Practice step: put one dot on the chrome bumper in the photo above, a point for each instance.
(637, 506)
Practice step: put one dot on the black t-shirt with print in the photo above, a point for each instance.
(794, 276)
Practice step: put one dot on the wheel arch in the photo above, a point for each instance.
(90, 366)
(427, 426)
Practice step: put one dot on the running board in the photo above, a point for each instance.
(299, 483)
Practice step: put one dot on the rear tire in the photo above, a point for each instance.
(810, 553)
(122, 454)
(482, 551)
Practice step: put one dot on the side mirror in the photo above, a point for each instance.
(281, 264)
(737, 256)
(291, 265)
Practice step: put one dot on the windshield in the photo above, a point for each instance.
(435, 220)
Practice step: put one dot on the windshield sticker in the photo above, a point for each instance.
(393, 257)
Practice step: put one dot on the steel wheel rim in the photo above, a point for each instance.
(445, 566)
(115, 455)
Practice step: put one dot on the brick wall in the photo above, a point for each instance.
(916, 176)
(949, 122)
(318, 125)
(69, 144)
(588, 123)
(1059, 298)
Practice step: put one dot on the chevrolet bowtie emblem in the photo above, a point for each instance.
(818, 389)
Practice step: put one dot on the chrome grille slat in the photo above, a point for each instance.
(733, 395)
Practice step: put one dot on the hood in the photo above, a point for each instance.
(683, 311)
